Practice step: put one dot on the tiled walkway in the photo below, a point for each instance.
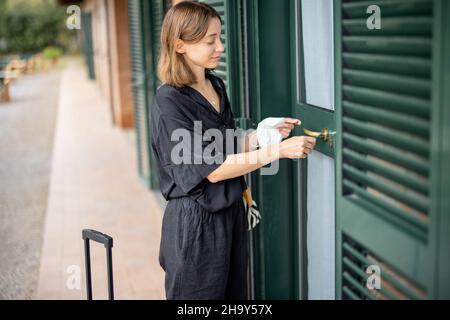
(94, 185)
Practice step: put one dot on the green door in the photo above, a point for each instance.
(389, 102)
(312, 61)
(275, 246)
(145, 20)
(370, 200)
(282, 84)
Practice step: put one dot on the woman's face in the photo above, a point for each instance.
(205, 53)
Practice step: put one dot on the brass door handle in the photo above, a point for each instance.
(326, 135)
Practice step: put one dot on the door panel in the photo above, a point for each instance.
(386, 108)
(313, 85)
(317, 44)
(269, 81)
(313, 82)
(320, 226)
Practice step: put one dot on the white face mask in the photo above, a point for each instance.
(268, 133)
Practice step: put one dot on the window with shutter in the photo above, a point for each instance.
(386, 78)
(139, 85)
(145, 21)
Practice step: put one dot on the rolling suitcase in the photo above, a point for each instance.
(107, 241)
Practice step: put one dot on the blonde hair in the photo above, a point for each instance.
(188, 21)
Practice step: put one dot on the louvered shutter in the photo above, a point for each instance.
(88, 43)
(223, 70)
(158, 10)
(139, 86)
(231, 65)
(385, 100)
(145, 21)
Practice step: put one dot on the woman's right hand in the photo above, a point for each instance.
(297, 147)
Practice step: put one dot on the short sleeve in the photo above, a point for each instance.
(182, 153)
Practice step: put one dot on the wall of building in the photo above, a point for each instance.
(122, 98)
(111, 56)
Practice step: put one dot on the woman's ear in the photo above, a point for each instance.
(180, 46)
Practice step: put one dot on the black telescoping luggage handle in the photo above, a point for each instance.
(107, 241)
(98, 237)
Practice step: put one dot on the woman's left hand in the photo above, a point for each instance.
(286, 127)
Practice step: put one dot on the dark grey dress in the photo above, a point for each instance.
(204, 249)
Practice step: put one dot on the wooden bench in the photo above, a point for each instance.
(4, 87)
(28, 60)
(4, 80)
(12, 67)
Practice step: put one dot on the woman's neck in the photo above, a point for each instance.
(200, 77)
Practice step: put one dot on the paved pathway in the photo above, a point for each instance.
(92, 184)
(27, 125)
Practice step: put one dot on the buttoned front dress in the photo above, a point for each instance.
(204, 249)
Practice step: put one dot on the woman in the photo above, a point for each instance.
(204, 234)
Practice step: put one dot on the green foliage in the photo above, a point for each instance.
(30, 26)
(52, 52)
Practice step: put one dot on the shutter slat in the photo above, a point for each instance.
(387, 100)
(399, 281)
(391, 119)
(388, 275)
(408, 46)
(350, 293)
(397, 175)
(358, 286)
(352, 266)
(220, 73)
(388, 82)
(392, 137)
(215, 3)
(391, 26)
(395, 213)
(395, 156)
(408, 220)
(388, 8)
(220, 9)
(408, 66)
(418, 203)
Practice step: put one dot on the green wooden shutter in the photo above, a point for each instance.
(145, 21)
(229, 69)
(88, 43)
(386, 106)
(223, 69)
(158, 10)
(139, 86)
